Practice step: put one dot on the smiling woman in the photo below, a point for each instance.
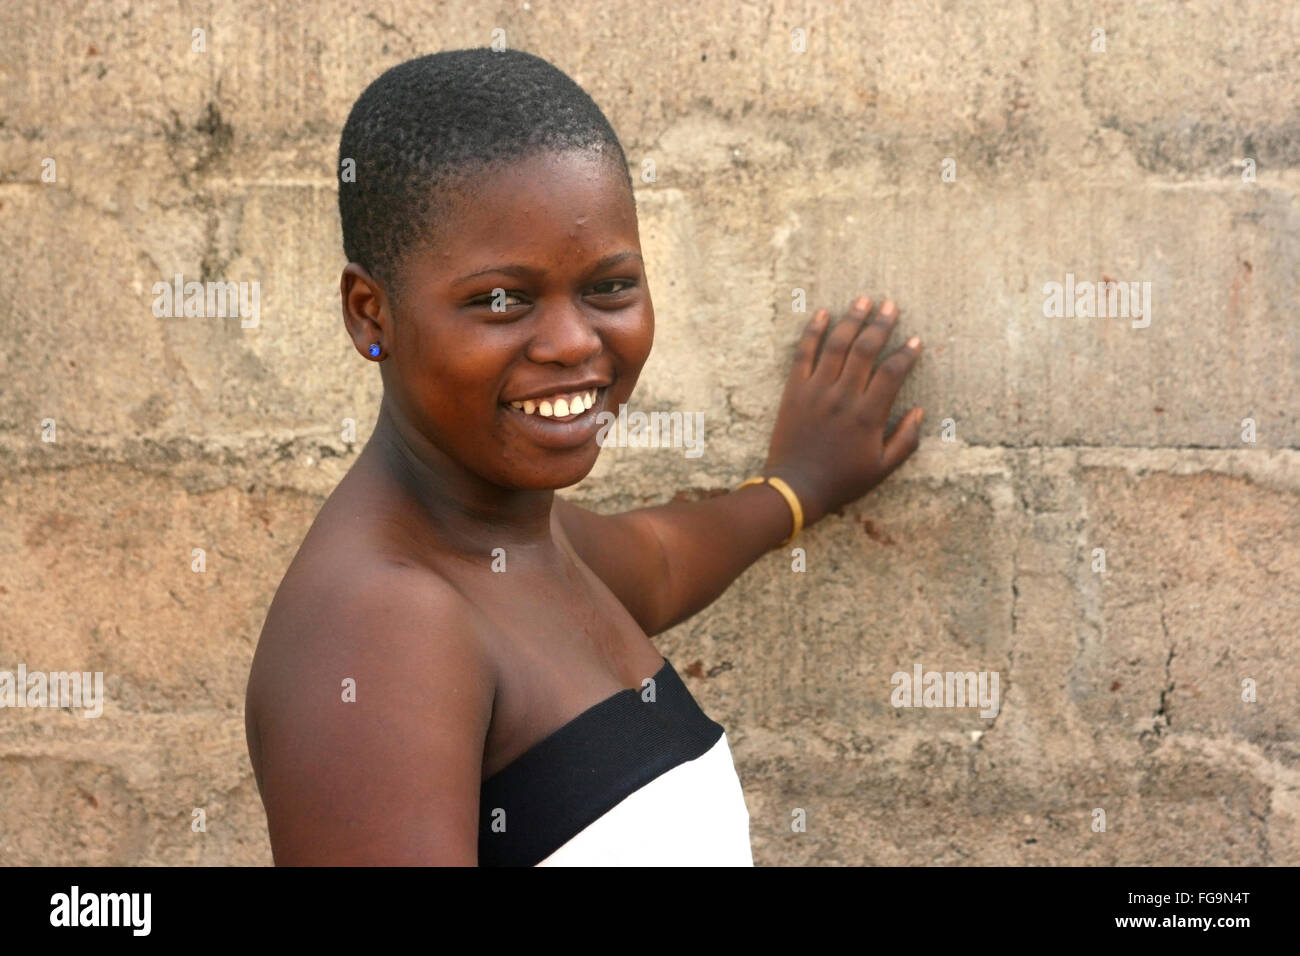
(456, 668)
(538, 294)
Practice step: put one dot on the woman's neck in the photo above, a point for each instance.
(469, 513)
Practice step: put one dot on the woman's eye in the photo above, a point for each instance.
(601, 290)
(505, 300)
(500, 300)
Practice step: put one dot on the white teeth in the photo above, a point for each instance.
(562, 407)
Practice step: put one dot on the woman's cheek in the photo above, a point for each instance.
(635, 343)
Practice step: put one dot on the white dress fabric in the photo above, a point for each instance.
(628, 782)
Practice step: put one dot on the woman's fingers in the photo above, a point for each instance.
(903, 440)
(805, 353)
(840, 340)
(862, 357)
(888, 378)
(843, 355)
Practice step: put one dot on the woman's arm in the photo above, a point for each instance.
(667, 562)
(829, 444)
(370, 703)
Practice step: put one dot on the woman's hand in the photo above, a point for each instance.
(829, 442)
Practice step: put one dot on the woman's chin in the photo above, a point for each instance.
(561, 471)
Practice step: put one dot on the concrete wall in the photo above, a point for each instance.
(776, 170)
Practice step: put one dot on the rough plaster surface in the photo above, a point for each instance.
(776, 171)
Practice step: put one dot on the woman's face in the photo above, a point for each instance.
(557, 235)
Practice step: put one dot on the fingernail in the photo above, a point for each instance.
(913, 342)
(920, 416)
(888, 309)
(861, 303)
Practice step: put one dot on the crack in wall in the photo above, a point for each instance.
(1162, 718)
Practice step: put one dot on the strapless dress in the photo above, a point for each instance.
(643, 778)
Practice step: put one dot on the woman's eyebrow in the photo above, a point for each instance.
(522, 270)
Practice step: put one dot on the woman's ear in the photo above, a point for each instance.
(366, 310)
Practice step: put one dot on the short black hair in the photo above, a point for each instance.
(425, 127)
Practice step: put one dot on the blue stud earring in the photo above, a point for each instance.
(374, 351)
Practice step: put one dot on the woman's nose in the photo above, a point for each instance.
(564, 334)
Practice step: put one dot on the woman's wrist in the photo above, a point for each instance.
(767, 512)
(798, 484)
(791, 508)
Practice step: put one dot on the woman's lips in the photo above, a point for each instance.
(568, 431)
(561, 405)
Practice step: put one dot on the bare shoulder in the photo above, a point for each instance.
(625, 552)
(368, 706)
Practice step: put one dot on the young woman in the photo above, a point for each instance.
(456, 668)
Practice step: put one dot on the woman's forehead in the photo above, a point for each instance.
(548, 208)
(569, 185)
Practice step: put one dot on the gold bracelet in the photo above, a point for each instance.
(790, 498)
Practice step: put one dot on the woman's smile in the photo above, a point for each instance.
(551, 421)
